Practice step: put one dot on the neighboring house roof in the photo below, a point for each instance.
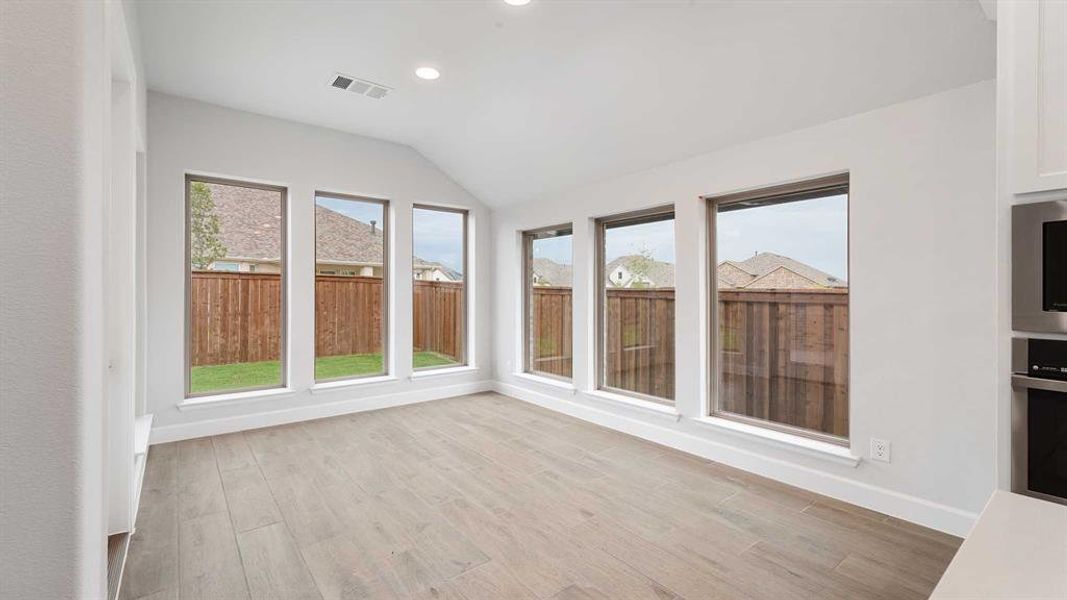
(250, 220)
(552, 273)
(451, 274)
(340, 238)
(751, 272)
(659, 274)
(731, 275)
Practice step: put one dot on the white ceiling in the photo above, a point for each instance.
(556, 94)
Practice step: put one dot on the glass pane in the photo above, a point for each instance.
(550, 276)
(439, 240)
(638, 271)
(783, 311)
(235, 295)
(350, 297)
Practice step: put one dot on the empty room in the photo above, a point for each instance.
(533, 299)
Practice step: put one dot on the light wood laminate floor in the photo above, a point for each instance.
(486, 497)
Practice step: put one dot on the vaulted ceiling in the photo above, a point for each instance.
(555, 94)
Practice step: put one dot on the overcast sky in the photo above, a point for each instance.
(360, 211)
(656, 239)
(438, 237)
(814, 232)
(438, 234)
(557, 249)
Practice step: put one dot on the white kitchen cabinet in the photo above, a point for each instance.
(1037, 33)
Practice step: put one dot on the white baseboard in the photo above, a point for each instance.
(197, 429)
(910, 508)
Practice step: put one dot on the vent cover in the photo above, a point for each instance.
(359, 86)
(342, 82)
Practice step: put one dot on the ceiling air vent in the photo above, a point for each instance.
(359, 86)
(340, 81)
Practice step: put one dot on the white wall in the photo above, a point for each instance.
(56, 60)
(923, 300)
(186, 136)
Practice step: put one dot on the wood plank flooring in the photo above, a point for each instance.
(486, 497)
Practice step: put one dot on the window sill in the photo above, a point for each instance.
(645, 405)
(199, 402)
(818, 449)
(330, 386)
(429, 373)
(556, 383)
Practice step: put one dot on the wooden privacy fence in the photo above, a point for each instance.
(785, 357)
(784, 353)
(236, 317)
(438, 317)
(348, 315)
(550, 343)
(639, 345)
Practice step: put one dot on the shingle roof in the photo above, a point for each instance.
(340, 238)
(764, 263)
(250, 221)
(553, 273)
(660, 274)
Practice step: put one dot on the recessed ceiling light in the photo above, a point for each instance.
(516, 2)
(427, 73)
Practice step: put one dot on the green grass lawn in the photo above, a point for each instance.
(220, 378)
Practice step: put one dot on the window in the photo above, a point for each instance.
(350, 311)
(235, 332)
(219, 265)
(439, 295)
(781, 292)
(636, 304)
(547, 259)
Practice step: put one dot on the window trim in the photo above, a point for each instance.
(648, 215)
(528, 238)
(387, 364)
(283, 263)
(465, 362)
(790, 192)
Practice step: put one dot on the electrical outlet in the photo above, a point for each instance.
(881, 450)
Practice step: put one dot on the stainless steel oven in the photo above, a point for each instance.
(1039, 418)
(1039, 267)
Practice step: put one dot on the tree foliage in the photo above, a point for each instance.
(204, 226)
(641, 265)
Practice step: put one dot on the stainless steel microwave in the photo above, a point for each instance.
(1039, 267)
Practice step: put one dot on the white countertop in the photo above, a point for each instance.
(1018, 549)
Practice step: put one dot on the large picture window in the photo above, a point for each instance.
(782, 311)
(351, 275)
(636, 304)
(439, 296)
(235, 266)
(548, 300)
